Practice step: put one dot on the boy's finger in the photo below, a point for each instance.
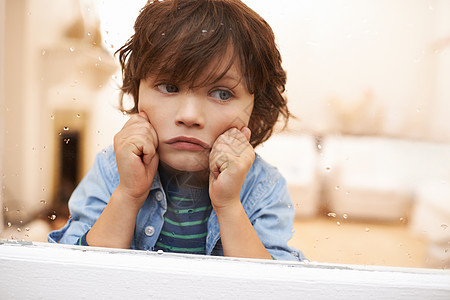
(247, 132)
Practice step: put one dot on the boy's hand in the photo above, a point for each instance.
(137, 159)
(229, 162)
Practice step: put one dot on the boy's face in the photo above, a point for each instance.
(188, 121)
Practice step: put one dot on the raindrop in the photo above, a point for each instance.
(163, 34)
(66, 128)
(444, 226)
(43, 52)
(338, 223)
(52, 117)
(78, 115)
(319, 146)
(18, 211)
(160, 252)
(89, 34)
(99, 132)
(27, 229)
(19, 229)
(43, 202)
(367, 229)
(332, 214)
(9, 224)
(204, 31)
(71, 49)
(99, 58)
(337, 188)
(52, 217)
(6, 207)
(345, 216)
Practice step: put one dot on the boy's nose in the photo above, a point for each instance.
(190, 112)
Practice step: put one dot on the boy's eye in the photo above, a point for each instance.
(167, 88)
(221, 95)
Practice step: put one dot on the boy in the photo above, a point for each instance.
(207, 84)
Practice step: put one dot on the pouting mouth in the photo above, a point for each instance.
(191, 140)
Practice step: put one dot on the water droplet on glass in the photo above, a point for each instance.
(18, 211)
(19, 229)
(418, 110)
(43, 52)
(71, 49)
(89, 34)
(99, 58)
(67, 141)
(345, 216)
(52, 117)
(338, 223)
(27, 228)
(43, 202)
(331, 214)
(328, 169)
(66, 128)
(204, 31)
(74, 99)
(444, 226)
(163, 34)
(160, 252)
(337, 188)
(367, 229)
(9, 224)
(52, 217)
(319, 147)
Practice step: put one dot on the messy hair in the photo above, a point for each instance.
(181, 38)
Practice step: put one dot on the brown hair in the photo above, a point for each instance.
(180, 38)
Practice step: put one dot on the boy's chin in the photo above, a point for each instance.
(186, 164)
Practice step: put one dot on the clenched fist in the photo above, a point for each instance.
(229, 162)
(135, 146)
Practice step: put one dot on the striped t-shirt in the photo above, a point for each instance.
(185, 221)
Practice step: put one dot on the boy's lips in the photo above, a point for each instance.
(188, 143)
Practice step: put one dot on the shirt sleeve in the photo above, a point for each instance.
(272, 213)
(89, 199)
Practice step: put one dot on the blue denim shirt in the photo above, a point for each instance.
(264, 196)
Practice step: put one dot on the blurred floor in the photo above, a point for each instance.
(361, 243)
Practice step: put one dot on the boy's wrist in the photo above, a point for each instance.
(131, 203)
(230, 210)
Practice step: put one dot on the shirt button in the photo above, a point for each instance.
(149, 230)
(159, 195)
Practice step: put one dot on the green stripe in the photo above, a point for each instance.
(185, 237)
(199, 249)
(186, 223)
(180, 199)
(190, 210)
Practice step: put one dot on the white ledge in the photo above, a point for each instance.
(40, 270)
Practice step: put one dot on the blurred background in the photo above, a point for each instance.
(367, 158)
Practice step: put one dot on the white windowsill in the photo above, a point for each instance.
(40, 270)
